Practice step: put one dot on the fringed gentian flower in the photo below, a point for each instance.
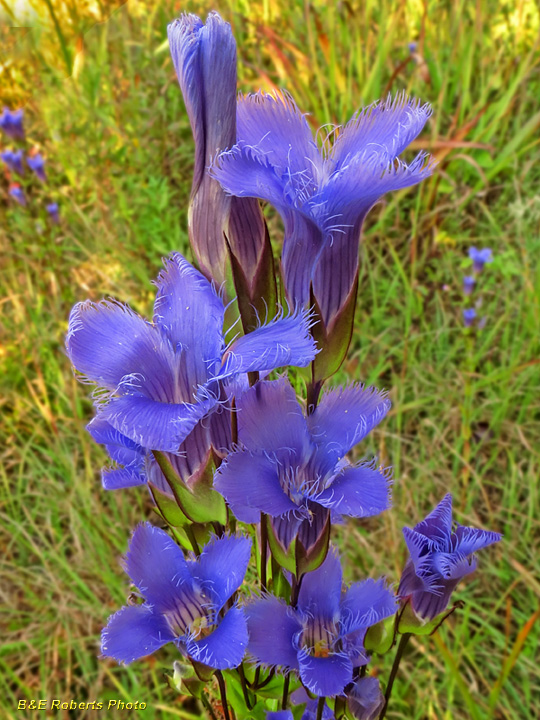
(322, 638)
(184, 601)
(365, 699)
(17, 193)
(469, 282)
(13, 159)
(36, 163)
(480, 258)
(53, 212)
(323, 198)
(160, 379)
(204, 57)
(469, 315)
(292, 468)
(12, 123)
(439, 558)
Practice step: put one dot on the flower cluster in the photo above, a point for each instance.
(479, 259)
(12, 124)
(242, 472)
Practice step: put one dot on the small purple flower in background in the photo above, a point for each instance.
(322, 638)
(439, 558)
(322, 198)
(469, 315)
(280, 715)
(412, 47)
(12, 123)
(37, 164)
(365, 699)
(160, 379)
(292, 467)
(17, 193)
(184, 601)
(13, 159)
(53, 212)
(480, 258)
(469, 282)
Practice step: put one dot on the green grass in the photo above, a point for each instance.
(465, 411)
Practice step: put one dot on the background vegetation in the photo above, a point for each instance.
(103, 105)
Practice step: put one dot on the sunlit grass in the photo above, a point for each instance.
(103, 104)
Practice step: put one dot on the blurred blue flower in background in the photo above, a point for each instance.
(12, 123)
(469, 315)
(469, 282)
(17, 193)
(37, 164)
(480, 258)
(53, 212)
(13, 159)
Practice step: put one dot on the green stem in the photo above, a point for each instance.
(264, 550)
(208, 707)
(223, 694)
(192, 539)
(244, 684)
(395, 667)
(285, 698)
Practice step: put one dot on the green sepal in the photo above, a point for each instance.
(309, 561)
(257, 297)
(167, 508)
(184, 680)
(380, 637)
(333, 341)
(280, 585)
(410, 622)
(285, 558)
(199, 502)
(203, 672)
(340, 708)
(235, 697)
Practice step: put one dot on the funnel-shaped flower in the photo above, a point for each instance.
(36, 163)
(323, 198)
(322, 638)
(365, 699)
(184, 601)
(439, 558)
(53, 212)
(17, 193)
(13, 160)
(480, 257)
(12, 123)
(160, 379)
(291, 467)
(204, 57)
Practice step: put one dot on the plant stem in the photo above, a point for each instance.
(223, 694)
(208, 707)
(285, 698)
(243, 681)
(264, 546)
(192, 539)
(320, 707)
(395, 667)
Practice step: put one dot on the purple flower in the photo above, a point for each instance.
(12, 123)
(322, 198)
(480, 258)
(184, 601)
(469, 315)
(439, 558)
(17, 193)
(204, 57)
(412, 47)
(160, 379)
(365, 699)
(37, 164)
(280, 715)
(469, 282)
(322, 638)
(300, 697)
(292, 468)
(53, 212)
(13, 159)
